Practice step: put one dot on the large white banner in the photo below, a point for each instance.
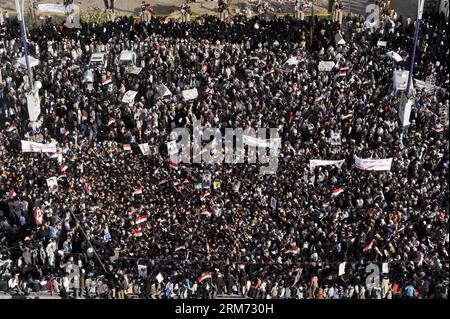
(315, 163)
(373, 165)
(37, 147)
(428, 87)
(273, 143)
(51, 8)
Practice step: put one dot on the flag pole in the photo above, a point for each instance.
(416, 40)
(21, 19)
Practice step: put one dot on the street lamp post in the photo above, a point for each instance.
(416, 40)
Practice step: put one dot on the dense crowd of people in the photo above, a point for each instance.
(96, 236)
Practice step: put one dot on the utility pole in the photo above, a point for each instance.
(20, 17)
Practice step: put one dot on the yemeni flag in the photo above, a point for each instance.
(337, 191)
(174, 165)
(38, 216)
(126, 147)
(181, 247)
(66, 133)
(137, 232)
(269, 71)
(12, 194)
(55, 155)
(293, 251)
(111, 121)
(62, 168)
(87, 188)
(10, 128)
(439, 128)
(204, 276)
(62, 175)
(140, 220)
(205, 213)
(203, 196)
(369, 246)
(137, 191)
(346, 116)
(342, 73)
(106, 81)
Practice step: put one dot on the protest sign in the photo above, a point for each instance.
(326, 66)
(190, 94)
(142, 271)
(52, 184)
(373, 165)
(145, 149)
(336, 139)
(129, 97)
(315, 163)
(172, 148)
(341, 269)
(273, 203)
(37, 147)
(206, 180)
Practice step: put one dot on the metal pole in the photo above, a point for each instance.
(95, 251)
(416, 40)
(24, 40)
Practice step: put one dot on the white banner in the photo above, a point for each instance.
(428, 87)
(382, 43)
(33, 105)
(341, 269)
(52, 184)
(373, 165)
(273, 143)
(51, 8)
(315, 163)
(404, 111)
(291, 61)
(190, 94)
(326, 65)
(37, 147)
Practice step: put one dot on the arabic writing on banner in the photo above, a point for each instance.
(51, 8)
(28, 146)
(315, 163)
(273, 143)
(373, 165)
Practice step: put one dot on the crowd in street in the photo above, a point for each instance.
(123, 223)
